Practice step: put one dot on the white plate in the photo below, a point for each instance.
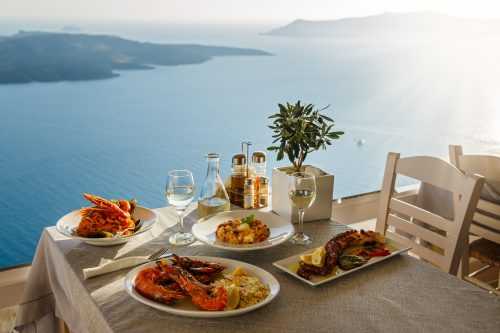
(280, 229)
(186, 309)
(290, 265)
(69, 222)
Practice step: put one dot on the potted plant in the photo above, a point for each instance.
(299, 130)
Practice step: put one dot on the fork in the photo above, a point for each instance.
(122, 263)
(158, 254)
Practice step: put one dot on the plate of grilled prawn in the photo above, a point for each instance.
(106, 222)
(198, 286)
(345, 253)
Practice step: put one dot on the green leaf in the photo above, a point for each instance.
(326, 118)
(280, 155)
(249, 219)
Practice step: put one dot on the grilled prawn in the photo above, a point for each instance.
(153, 283)
(109, 206)
(205, 272)
(203, 296)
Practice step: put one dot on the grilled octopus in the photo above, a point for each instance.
(334, 248)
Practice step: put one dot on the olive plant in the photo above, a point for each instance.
(300, 130)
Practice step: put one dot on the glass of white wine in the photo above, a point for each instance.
(180, 192)
(302, 192)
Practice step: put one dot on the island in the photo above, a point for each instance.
(389, 25)
(49, 57)
(71, 28)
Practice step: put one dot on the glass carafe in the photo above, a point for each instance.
(213, 195)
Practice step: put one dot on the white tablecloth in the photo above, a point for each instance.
(402, 294)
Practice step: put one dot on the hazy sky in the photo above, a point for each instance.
(236, 10)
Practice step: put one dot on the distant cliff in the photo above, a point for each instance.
(49, 57)
(425, 24)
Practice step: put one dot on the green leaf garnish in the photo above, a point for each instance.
(249, 219)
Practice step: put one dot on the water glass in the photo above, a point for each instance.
(179, 192)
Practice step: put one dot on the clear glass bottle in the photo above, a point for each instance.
(259, 169)
(263, 192)
(249, 194)
(213, 195)
(259, 163)
(238, 175)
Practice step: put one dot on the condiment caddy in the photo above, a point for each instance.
(248, 186)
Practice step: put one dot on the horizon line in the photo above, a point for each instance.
(228, 20)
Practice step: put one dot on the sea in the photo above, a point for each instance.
(119, 137)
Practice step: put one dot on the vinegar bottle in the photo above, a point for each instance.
(238, 175)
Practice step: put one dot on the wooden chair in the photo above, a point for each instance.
(418, 228)
(486, 219)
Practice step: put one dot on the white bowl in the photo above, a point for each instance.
(69, 222)
(280, 229)
(186, 309)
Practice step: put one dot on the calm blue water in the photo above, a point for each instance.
(120, 137)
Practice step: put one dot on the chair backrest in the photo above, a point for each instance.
(486, 219)
(433, 238)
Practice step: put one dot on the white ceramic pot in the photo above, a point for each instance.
(322, 206)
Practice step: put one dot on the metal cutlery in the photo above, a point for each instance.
(159, 253)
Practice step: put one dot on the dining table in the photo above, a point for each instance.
(401, 294)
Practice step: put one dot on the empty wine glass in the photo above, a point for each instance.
(180, 192)
(302, 192)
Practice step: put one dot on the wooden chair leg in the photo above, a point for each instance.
(498, 282)
(463, 270)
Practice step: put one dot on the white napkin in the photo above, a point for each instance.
(109, 266)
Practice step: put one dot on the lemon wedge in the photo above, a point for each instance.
(306, 258)
(233, 297)
(318, 257)
(315, 258)
(238, 271)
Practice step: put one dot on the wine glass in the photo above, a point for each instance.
(180, 192)
(302, 192)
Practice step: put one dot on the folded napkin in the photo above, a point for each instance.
(109, 266)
